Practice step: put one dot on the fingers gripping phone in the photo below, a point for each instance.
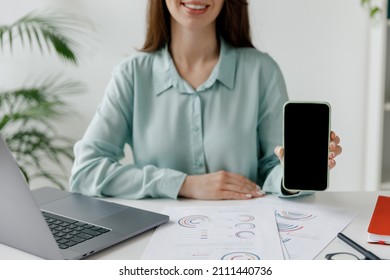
(306, 134)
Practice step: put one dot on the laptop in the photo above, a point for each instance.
(55, 224)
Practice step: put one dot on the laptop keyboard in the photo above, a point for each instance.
(68, 232)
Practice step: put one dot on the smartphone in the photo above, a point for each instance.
(306, 136)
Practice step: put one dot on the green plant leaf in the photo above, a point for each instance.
(26, 120)
(51, 27)
(2, 32)
(33, 147)
(21, 34)
(62, 46)
(36, 33)
(374, 11)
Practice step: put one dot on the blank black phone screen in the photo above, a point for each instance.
(306, 146)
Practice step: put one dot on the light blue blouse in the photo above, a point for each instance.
(232, 122)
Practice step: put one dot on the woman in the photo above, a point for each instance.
(200, 107)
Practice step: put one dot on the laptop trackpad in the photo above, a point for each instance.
(81, 207)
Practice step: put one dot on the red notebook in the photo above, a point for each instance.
(379, 227)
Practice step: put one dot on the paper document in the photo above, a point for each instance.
(227, 233)
(305, 230)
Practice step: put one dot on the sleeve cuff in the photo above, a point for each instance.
(273, 184)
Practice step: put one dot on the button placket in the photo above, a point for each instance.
(197, 135)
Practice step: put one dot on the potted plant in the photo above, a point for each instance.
(27, 114)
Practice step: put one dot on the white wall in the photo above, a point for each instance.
(320, 45)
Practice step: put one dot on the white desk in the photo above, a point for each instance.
(364, 202)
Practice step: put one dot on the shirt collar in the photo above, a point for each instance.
(166, 76)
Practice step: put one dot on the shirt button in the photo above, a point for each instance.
(196, 128)
(198, 163)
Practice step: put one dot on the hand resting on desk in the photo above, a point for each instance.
(219, 185)
(227, 185)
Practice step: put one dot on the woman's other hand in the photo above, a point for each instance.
(219, 185)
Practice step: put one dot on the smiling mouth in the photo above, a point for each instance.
(197, 7)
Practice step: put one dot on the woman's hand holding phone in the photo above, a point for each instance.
(309, 146)
(334, 150)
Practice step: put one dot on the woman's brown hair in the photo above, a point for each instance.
(232, 24)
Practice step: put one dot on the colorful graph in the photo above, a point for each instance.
(285, 239)
(240, 256)
(296, 216)
(204, 234)
(194, 221)
(284, 227)
(245, 218)
(245, 226)
(245, 234)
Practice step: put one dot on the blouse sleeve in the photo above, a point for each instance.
(273, 96)
(97, 170)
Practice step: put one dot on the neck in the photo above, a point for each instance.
(190, 46)
(195, 52)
